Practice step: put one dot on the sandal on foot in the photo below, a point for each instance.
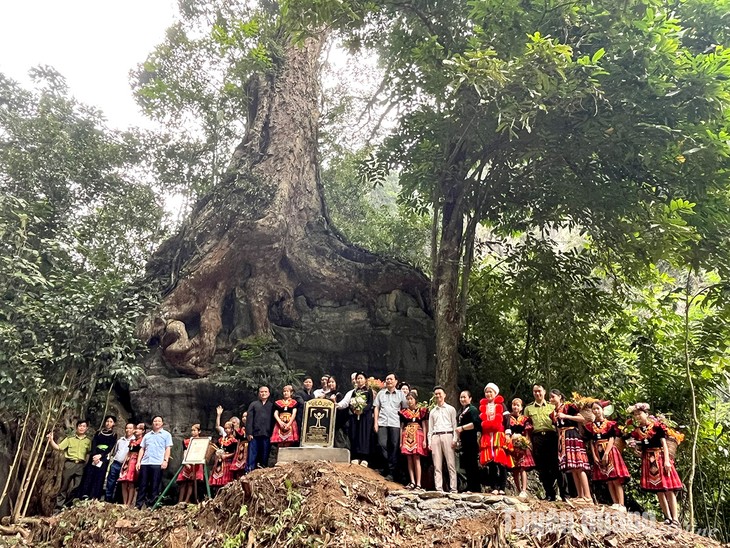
(411, 486)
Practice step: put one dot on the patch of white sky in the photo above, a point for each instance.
(92, 43)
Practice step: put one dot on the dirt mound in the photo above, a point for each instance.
(324, 504)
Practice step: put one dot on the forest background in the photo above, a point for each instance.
(558, 169)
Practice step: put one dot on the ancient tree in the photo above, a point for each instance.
(262, 237)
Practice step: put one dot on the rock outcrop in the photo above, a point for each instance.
(330, 337)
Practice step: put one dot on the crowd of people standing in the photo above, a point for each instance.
(389, 427)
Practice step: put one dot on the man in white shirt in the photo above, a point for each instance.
(442, 439)
(118, 457)
(387, 405)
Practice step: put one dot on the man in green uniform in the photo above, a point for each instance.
(545, 444)
(76, 449)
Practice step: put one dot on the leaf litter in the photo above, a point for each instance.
(319, 504)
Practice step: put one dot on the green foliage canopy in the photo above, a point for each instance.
(75, 229)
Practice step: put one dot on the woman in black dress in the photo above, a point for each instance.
(468, 426)
(92, 485)
(360, 422)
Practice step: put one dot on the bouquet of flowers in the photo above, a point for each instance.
(583, 402)
(520, 442)
(376, 385)
(358, 403)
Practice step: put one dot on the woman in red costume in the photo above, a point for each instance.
(572, 455)
(190, 473)
(238, 465)
(128, 474)
(285, 415)
(414, 433)
(608, 464)
(658, 474)
(493, 447)
(222, 474)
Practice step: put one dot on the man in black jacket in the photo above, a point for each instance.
(259, 426)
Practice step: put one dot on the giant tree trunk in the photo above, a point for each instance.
(261, 242)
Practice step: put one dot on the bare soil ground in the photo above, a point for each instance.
(339, 505)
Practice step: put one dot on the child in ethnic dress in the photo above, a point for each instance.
(227, 444)
(521, 427)
(285, 413)
(238, 465)
(128, 474)
(414, 437)
(608, 464)
(572, 455)
(190, 473)
(658, 474)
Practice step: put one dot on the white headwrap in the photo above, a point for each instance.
(641, 406)
(493, 387)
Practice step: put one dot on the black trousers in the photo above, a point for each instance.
(389, 442)
(496, 476)
(545, 453)
(150, 480)
(469, 460)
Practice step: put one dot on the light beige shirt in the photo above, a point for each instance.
(442, 419)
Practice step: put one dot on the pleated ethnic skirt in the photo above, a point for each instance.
(653, 475)
(615, 469)
(571, 450)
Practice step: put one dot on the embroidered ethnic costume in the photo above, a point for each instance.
(571, 449)
(522, 425)
(413, 434)
(290, 434)
(238, 465)
(493, 445)
(222, 473)
(654, 476)
(601, 433)
(129, 468)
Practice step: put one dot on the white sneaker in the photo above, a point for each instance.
(354, 461)
(522, 495)
(364, 463)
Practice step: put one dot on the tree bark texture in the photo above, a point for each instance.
(446, 283)
(259, 249)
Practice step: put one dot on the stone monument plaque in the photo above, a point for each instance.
(318, 425)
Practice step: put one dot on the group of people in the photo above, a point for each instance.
(390, 425)
(138, 459)
(546, 436)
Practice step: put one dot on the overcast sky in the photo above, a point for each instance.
(93, 43)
